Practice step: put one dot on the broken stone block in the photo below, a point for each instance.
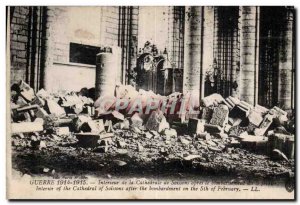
(62, 131)
(38, 101)
(89, 126)
(232, 101)
(20, 101)
(265, 124)
(90, 110)
(43, 94)
(105, 135)
(170, 132)
(24, 127)
(220, 116)
(196, 126)
(100, 125)
(41, 113)
(79, 121)
(260, 109)
(148, 135)
(136, 120)
(227, 127)
(157, 121)
(207, 113)
(113, 116)
(212, 128)
(255, 118)
(27, 108)
(234, 121)
(53, 108)
(212, 99)
(87, 139)
(26, 91)
(108, 126)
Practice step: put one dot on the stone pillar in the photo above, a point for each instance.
(192, 52)
(208, 41)
(249, 54)
(286, 62)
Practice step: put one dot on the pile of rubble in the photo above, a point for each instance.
(226, 132)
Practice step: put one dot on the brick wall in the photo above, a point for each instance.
(18, 43)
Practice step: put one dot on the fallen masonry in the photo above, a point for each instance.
(225, 134)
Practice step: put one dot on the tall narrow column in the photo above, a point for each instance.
(208, 41)
(249, 54)
(286, 62)
(192, 52)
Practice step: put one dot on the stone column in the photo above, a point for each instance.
(192, 52)
(249, 54)
(286, 62)
(208, 42)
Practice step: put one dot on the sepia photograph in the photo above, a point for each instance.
(151, 102)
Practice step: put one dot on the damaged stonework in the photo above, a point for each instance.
(227, 128)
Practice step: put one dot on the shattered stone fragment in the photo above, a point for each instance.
(26, 91)
(196, 126)
(232, 101)
(157, 121)
(264, 126)
(38, 101)
(136, 121)
(207, 113)
(41, 113)
(255, 118)
(89, 126)
(170, 132)
(24, 127)
(220, 116)
(62, 131)
(27, 108)
(213, 99)
(227, 127)
(53, 108)
(79, 121)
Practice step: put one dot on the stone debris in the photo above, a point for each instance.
(227, 131)
(220, 116)
(157, 121)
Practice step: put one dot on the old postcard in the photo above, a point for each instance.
(137, 102)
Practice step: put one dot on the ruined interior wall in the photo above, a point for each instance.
(18, 43)
(65, 26)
